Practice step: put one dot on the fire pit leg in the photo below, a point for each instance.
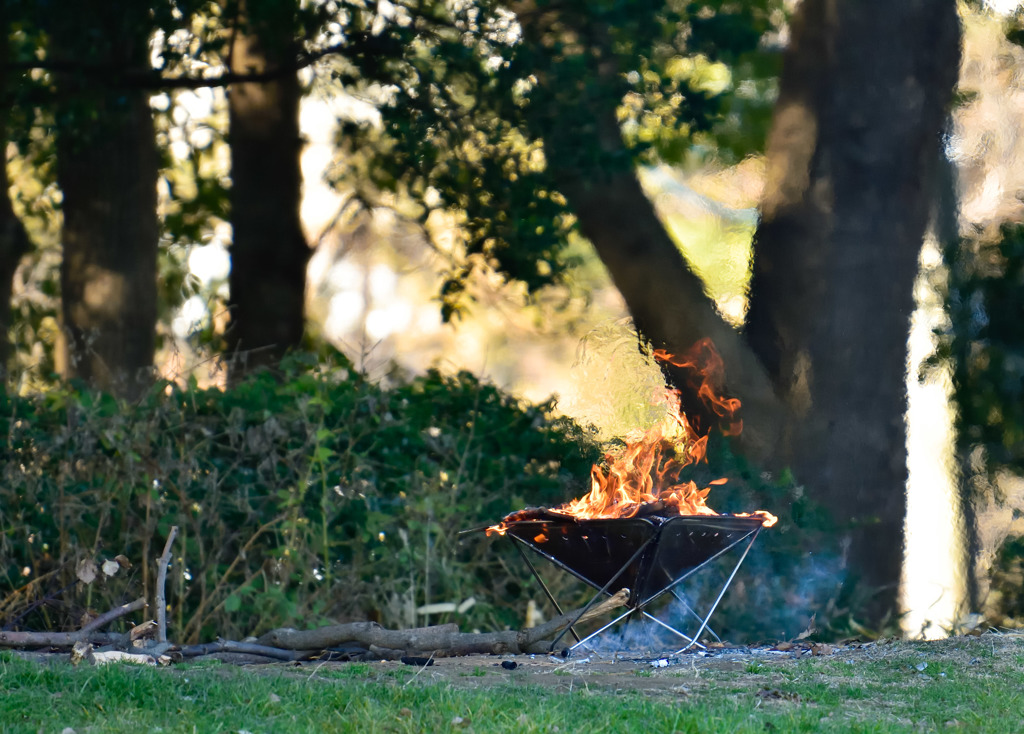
(725, 586)
(595, 633)
(672, 629)
(516, 542)
(604, 590)
(693, 614)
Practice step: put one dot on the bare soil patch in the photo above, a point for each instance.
(758, 669)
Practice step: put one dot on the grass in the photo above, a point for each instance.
(877, 690)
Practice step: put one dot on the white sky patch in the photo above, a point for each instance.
(190, 316)
(346, 276)
(1002, 7)
(344, 313)
(391, 319)
(383, 281)
(210, 262)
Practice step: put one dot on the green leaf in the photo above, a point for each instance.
(232, 604)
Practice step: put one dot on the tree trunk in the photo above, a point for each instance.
(269, 252)
(852, 158)
(107, 167)
(821, 373)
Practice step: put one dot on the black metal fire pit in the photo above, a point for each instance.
(651, 556)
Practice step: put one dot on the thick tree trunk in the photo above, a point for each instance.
(857, 131)
(107, 167)
(269, 253)
(107, 172)
(852, 156)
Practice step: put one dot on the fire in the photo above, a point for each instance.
(644, 476)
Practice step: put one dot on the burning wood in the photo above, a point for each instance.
(643, 479)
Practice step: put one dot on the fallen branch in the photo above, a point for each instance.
(68, 639)
(246, 648)
(442, 640)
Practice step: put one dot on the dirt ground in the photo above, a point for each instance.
(756, 670)
(693, 672)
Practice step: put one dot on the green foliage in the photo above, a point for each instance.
(300, 497)
(984, 344)
(1008, 581)
(471, 99)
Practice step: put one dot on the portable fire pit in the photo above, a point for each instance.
(650, 556)
(643, 526)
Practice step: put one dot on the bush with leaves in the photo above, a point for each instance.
(300, 497)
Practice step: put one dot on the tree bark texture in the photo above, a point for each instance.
(107, 167)
(821, 366)
(269, 253)
(852, 157)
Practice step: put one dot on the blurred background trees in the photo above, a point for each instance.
(524, 171)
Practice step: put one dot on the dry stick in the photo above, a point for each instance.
(109, 616)
(68, 639)
(161, 582)
(445, 639)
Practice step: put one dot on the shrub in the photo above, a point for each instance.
(301, 497)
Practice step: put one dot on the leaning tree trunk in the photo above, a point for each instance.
(852, 156)
(107, 167)
(821, 373)
(269, 253)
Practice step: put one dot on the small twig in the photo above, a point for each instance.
(422, 668)
(161, 582)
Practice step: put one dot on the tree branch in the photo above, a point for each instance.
(246, 648)
(68, 639)
(161, 583)
(445, 639)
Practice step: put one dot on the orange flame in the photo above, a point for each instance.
(644, 475)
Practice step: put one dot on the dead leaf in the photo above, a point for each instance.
(86, 570)
(821, 648)
(82, 653)
(405, 712)
(784, 646)
(110, 567)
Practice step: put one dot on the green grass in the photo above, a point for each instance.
(873, 693)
